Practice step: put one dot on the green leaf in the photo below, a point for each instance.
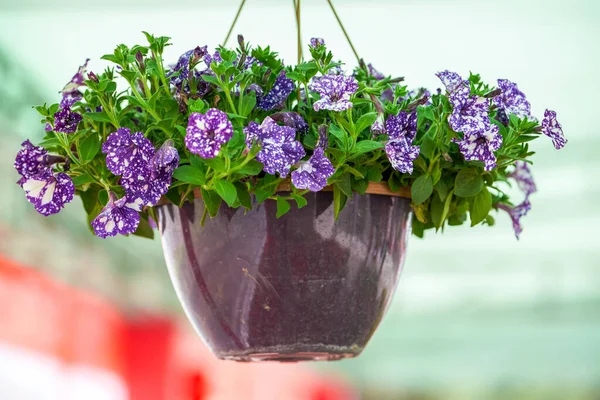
(360, 185)
(421, 189)
(217, 163)
(266, 188)
(226, 190)
(248, 103)
(353, 171)
(98, 116)
(197, 105)
(374, 174)
(307, 66)
(82, 179)
(436, 210)
(442, 189)
(427, 147)
(282, 207)
(50, 143)
(212, 201)
(365, 121)
(345, 184)
(480, 206)
(525, 138)
(144, 229)
(340, 135)
(394, 182)
(251, 168)
(364, 146)
(468, 183)
(190, 174)
(211, 79)
(300, 200)
(339, 201)
(243, 196)
(89, 147)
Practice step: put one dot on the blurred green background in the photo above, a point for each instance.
(477, 314)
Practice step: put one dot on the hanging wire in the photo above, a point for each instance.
(343, 30)
(298, 30)
(234, 21)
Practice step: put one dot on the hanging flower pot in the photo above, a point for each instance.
(283, 194)
(300, 287)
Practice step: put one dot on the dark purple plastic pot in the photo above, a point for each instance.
(301, 287)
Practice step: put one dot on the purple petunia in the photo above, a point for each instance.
(402, 129)
(151, 182)
(66, 121)
(280, 91)
(206, 133)
(335, 91)
(291, 119)
(48, 192)
(120, 216)
(127, 153)
(313, 174)
(279, 147)
(76, 81)
(512, 100)
(31, 160)
(315, 43)
(470, 113)
(480, 146)
(552, 128)
(378, 127)
(516, 213)
(180, 71)
(68, 100)
(323, 141)
(522, 175)
(451, 80)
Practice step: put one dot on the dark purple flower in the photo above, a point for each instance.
(31, 160)
(403, 125)
(552, 128)
(335, 91)
(291, 119)
(401, 154)
(323, 141)
(68, 100)
(76, 81)
(279, 147)
(48, 127)
(216, 57)
(48, 192)
(470, 113)
(375, 73)
(378, 127)
(313, 174)
(516, 213)
(512, 100)
(66, 121)
(315, 43)
(254, 87)
(522, 175)
(120, 216)
(151, 182)
(451, 80)
(480, 146)
(280, 91)
(126, 153)
(181, 70)
(206, 133)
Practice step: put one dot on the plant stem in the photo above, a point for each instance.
(234, 22)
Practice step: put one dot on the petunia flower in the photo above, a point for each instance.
(279, 147)
(313, 174)
(516, 213)
(335, 91)
(323, 141)
(180, 71)
(481, 145)
(31, 160)
(402, 129)
(470, 113)
(68, 100)
(66, 121)
(522, 175)
(278, 94)
(151, 182)
(206, 133)
(291, 119)
(48, 192)
(76, 81)
(127, 153)
(552, 128)
(120, 216)
(315, 43)
(451, 80)
(512, 100)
